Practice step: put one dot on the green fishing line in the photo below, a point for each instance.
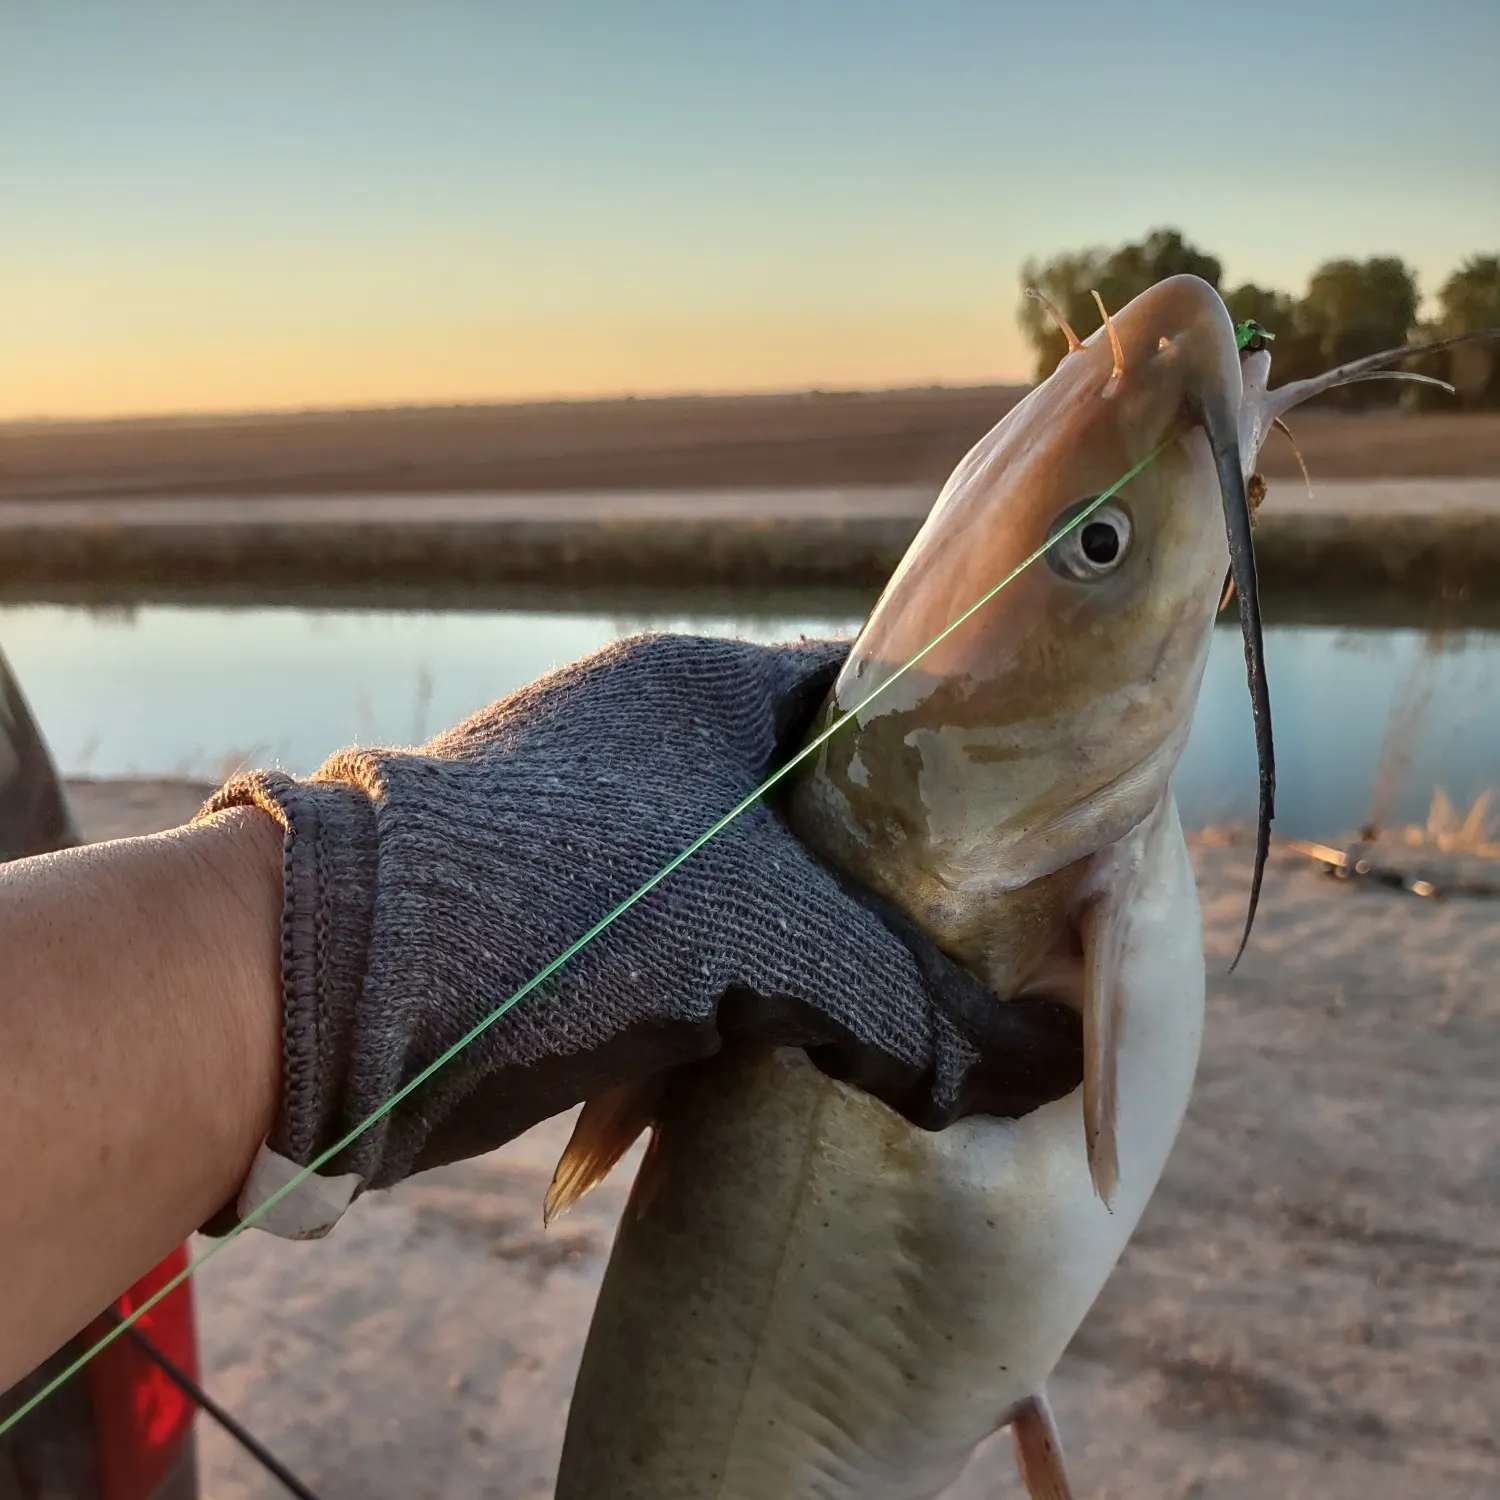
(406, 1091)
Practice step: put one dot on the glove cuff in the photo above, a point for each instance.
(329, 867)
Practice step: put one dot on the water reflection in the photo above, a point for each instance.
(194, 691)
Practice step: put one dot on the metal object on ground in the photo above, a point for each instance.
(1431, 877)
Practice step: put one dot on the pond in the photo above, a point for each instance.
(195, 690)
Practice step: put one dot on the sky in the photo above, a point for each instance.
(215, 207)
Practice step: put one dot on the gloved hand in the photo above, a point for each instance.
(424, 887)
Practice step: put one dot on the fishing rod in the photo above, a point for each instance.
(206, 1403)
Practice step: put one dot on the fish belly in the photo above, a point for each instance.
(809, 1299)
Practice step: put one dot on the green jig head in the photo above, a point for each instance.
(1251, 337)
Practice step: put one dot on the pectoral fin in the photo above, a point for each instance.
(1228, 593)
(1039, 1454)
(608, 1126)
(1102, 929)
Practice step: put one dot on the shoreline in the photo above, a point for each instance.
(1412, 539)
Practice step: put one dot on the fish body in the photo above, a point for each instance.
(809, 1298)
(820, 1300)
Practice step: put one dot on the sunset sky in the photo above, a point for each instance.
(209, 207)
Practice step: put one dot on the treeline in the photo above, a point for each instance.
(1350, 308)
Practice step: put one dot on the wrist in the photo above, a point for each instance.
(239, 855)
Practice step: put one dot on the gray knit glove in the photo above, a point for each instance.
(423, 887)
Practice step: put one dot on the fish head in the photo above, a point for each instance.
(1025, 685)
(1045, 725)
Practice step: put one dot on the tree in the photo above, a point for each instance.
(1118, 275)
(1353, 308)
(1274, 311)
(1468, 302)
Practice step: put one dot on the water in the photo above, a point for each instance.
(196, 691)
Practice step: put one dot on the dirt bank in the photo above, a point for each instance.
(1310, 1310)
(1418, 539)
(809, 489)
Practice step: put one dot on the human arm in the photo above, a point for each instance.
(140, 1023)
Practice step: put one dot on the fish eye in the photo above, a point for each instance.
(1093, 550)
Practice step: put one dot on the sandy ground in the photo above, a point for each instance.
(1311, 1307)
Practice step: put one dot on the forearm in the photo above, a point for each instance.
(139, 1060)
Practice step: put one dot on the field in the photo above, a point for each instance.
(749, 442)
(1310, 1310)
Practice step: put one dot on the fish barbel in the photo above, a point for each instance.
(809, 1296)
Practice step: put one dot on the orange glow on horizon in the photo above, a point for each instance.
(474, 364)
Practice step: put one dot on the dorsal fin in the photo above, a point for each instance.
(608, 1126)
